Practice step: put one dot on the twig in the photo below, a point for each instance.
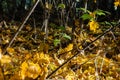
(22, 25)
(113, 35)
(86, 4)
(35, 30)
(96, 66)
(102, 63)
(108, 30)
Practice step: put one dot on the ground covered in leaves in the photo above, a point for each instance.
(35, 54)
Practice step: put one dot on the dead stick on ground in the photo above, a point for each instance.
(22, 25)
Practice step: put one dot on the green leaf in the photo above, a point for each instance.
(83, 9)
(62, 27)
(66, 36)
(107, 23)
(62, 6)
(101, 12)
(56, 42)
(86, 16)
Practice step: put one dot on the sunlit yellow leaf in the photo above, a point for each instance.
(6, 72)
(45, 69)
(30, 70)
(69, 47)
(80, 47)
(28, 56)
(94, 1)
(5, 41)
(10, 50)
(24, 67)
(33, 70)
(5, 59)
(52, 66)
(93, 26)
(91, 77)
(48, 5)
(117, 3)
(41, 58)
(70, 75)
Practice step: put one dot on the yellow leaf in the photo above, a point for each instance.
(5, 41)
(69, 47)
(52, 66)
(48, 5)
(70, 75)
(27, 56)
(80, 47)
(117, 3)
(93, 26)
(41, 58)
(91, 77)
(30, 70)
(24, 67)
(94, 1)
(33, 70)
(5, 59)
(10, 50)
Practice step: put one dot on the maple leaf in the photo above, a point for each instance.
(93, 26)
(33, 70)
(30, 70)
(117, 3)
